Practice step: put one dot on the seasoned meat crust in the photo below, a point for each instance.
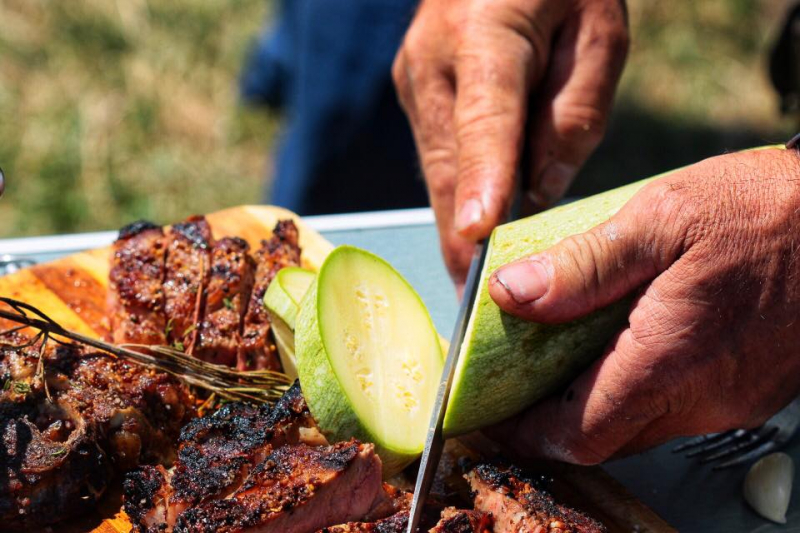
(216, 454)
(397, 523)
(463, 521)
(230, 281)
(106, 415)
(135, 296)
(517, 505)
(258, 349)
(187, 269)
(297, 489)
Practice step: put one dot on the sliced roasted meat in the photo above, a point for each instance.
(148, 487)
(187, 270)
(517, 505)
(230, 281)
(297, 489)
(135, 296)
(258, 349)
(464, 521)
(216, 454)
(58, 455)
(397, 523)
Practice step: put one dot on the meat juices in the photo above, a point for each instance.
(136, 296)
(230, 281)
(258, 350)
(187, 269)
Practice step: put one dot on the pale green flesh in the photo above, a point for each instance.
(286, 291)
(368, 356)
(282, 301)
(507, 364)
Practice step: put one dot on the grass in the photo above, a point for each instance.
(112, 110)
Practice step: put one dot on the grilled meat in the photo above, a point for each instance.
(297, 489)
(187, 265)
(258, 349)
(463, 521)
(396, 523)
(216, 454)
(136, 298)
(57, 457)
(517, 505)
(230, 281)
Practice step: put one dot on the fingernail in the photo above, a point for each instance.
(525, 281)
(470, 214)
(553, 183)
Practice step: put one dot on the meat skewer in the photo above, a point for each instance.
(258, 350)
(230, 281)
(187, 265)
(136, 296)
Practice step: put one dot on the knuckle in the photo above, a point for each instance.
(582, 124)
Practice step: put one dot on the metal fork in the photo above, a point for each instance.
(740, 446)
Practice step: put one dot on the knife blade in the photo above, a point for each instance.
(434, 441)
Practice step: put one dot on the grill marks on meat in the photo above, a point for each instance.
(518, 506)
(258, 349)
(216, 454)
(136, 297)
(57, 458)
(463, 521)
(297, 489)
(187, 266)
(230, 281)
(201, 296)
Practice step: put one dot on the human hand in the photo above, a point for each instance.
(470, 72)
(712, 342)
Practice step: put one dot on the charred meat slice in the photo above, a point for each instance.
(230, 281)
(146, 498)
(216, 454)
(297, 489)
(57, 456)
(517, 505)
(397, 523)
(187, 266)
(135, 297)
(258, 349)
(463, 521)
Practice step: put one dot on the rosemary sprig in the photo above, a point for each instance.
(261, 386)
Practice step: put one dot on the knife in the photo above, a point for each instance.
(434, 442)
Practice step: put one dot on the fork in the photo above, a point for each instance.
(740, 446)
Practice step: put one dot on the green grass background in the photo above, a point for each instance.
(112, 110)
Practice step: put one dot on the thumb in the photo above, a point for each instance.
(584, 272)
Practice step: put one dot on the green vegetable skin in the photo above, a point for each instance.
(282, 301)
(507, 364)
(368, 356)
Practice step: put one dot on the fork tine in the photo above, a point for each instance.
(729, 438)
(756, 453)
(698, 440)
(747, 442)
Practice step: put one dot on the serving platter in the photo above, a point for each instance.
(72, 291)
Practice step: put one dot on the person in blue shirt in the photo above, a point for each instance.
(346, 144)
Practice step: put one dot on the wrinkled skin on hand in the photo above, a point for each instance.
(713, 338)
(471, 73)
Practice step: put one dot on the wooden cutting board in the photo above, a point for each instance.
(72, 291)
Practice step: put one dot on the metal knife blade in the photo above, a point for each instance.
(434, 442)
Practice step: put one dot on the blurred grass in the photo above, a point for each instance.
(112, 110)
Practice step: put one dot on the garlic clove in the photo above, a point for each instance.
(768, 486)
